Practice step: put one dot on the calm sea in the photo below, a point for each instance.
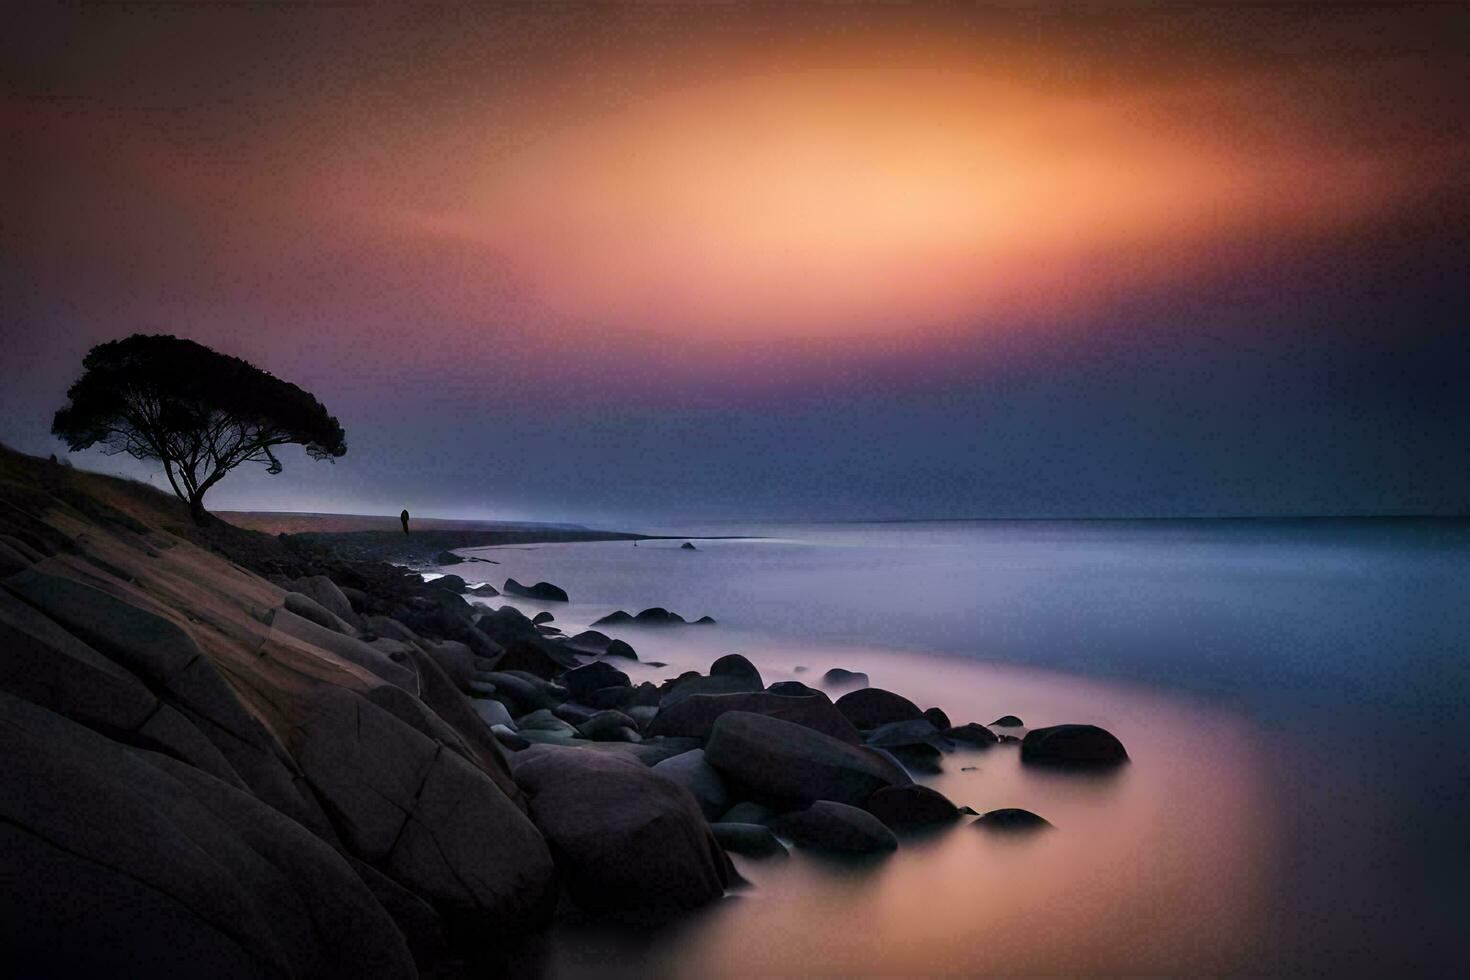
(1293, 695)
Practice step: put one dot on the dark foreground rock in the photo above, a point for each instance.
(1072, 746)
(628, 843)
(782, 763)
(110, 849)
(1011, 820)
(830, 826)
(702, 780)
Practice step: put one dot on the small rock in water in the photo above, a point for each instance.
(910, 807)
(737, 666)
(687, 546)
(836, 827)
(750, 840)
(1011, 820)
(937, 718)
(969, 768)
(1008, 721)
(1077, 746)
(839, 676)
(447, 558)
(544, 591)
(972, 733)
(617, 648)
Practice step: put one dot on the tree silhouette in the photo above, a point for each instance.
(199, 412)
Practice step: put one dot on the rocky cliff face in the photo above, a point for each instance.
(206, 772)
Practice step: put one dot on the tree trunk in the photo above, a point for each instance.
(197, 513)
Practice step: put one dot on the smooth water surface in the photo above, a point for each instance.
(1293, 695)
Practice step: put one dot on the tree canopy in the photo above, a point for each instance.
(199, 412)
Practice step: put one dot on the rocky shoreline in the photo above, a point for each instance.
(242, 754)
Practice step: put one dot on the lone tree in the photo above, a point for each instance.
(199, 412)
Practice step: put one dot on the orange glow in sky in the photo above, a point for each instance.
(836, 202)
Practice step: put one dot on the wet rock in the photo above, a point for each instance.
(543, 720)
(840, 677)
(906, 734)
(911, 807)
(783, 763)
(592, 642)
(542, 617)
(1008, 721)
(447, 558)
(737, 666)
(687, 687)
(609, 726)
(583, 680)
(485, 589)
(611, 697)
(703, 781)
(614, 619)
(747, 812)
(830, 826)
(492, 712)
(937, 718)
(539, 657)
(918, 757)
(1081, 746)
(449, 583)
(874, 706)
(792, 689)
(695, 716)
(750, 840)
(542, 591)
(972, 733)
(628, 843)
(617, 648)
(658, 616)
(1011, 820)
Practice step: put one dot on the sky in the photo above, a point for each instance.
(650, 263)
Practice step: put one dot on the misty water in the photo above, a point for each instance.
(1292, 695)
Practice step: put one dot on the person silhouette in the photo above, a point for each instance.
(404, 518)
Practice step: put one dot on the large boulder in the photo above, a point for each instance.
(165, 658)
(628, 843)
(830, 826)
(873, 706)
(1077, 746)
(904, 734)
(911, 807)
(702, 780)
(695, 716)
(787, 764)
(542, 591)
(427, 817)
(123, 861)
